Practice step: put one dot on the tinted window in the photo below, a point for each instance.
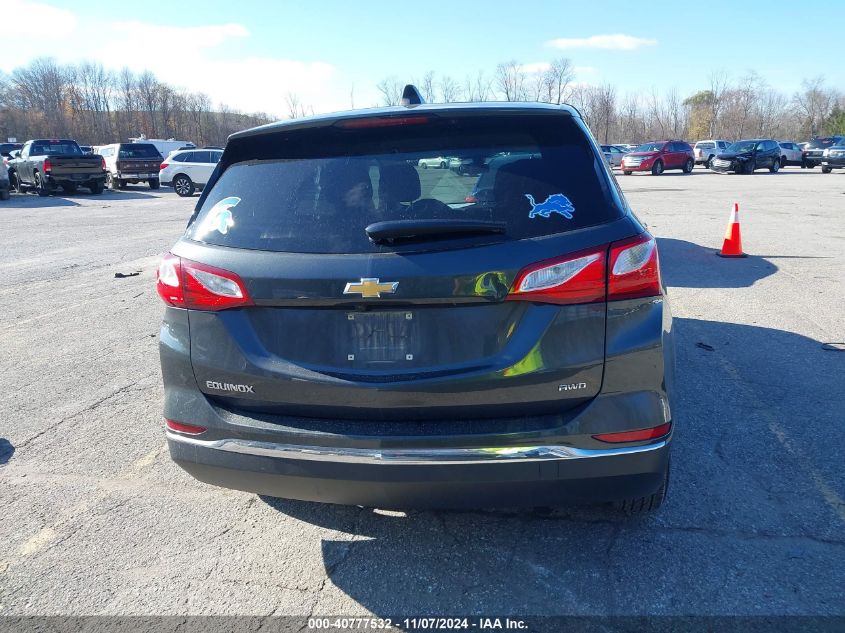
(138, 150)
(317, 190)
(649, 147)
(180, 158)
(705, 145)
(216, 156)
(42, 148)
(200, 157)
(818, 143)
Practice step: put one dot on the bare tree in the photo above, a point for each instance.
(297, 109)
(557, 79)
(427, 87)
(814, 102)
(477, 88)
(391, 90)
(450, 91)
(603, 110)
(510, 81)
(718, 81)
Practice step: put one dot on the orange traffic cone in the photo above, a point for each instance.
(732, 246)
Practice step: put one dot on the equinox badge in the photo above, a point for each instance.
(370, 288)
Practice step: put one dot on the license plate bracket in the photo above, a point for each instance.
(381, 337)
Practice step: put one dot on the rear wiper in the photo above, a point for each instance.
(394, 230)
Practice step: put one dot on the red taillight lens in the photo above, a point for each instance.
(187, 284)
(48, 166)
(577, 278)
(471, 199)
(633, 269)
(103, 163)
(387, 121)
(636, 436)
(162, 166)
(181, 427)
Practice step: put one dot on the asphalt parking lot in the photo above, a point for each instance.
(97, 520)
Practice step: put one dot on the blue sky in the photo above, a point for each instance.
(251, 54)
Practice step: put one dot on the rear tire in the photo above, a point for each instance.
(650, 503)
(688, 166)
(424, 166)
(775, 168)
(709, 162)
(657, 168)
(183, 186)
(40, 187)
(111, 182)
(154, 183)
(16, 183)
(627, 173)
(442, 165)
(826, 169)
(96, 188)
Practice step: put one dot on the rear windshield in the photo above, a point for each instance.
(649, 147)
(315, 191)
(705, 145)
(42, 148)
(818, 143)
(138, 150)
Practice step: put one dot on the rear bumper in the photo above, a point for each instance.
(73, 179)
(426, 478)
(834, 162)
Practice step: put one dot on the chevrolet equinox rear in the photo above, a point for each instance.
(345, 326)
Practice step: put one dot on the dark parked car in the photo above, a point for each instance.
(658, 156)
(342, 326)
(45, 165)
(744, 157)
(833, 157)
(7, 148)
(813, 151)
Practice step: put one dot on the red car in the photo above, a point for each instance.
(658, 156)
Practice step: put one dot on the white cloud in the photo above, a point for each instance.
(22, 17)
(143, 33)
(535, 67)
(618, 42)
(199, 58)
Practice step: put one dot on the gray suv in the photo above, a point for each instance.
(344, 326)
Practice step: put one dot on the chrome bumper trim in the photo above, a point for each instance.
(428, 456)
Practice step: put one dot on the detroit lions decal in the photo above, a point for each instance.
(555, 203)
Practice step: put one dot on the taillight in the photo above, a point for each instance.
(633, 269)
(470, 199)
(385, 121)
(181, 427)
(183, 283)
(162, 166)
(636, 436)
(577, 278)
(48, 166)
(629, 271)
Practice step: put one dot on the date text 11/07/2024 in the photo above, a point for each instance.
(418, 624)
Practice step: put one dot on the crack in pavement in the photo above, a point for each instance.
(86, 409)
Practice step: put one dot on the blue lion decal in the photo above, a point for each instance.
(555, 203)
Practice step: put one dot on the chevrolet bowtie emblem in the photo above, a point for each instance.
(370, 288)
